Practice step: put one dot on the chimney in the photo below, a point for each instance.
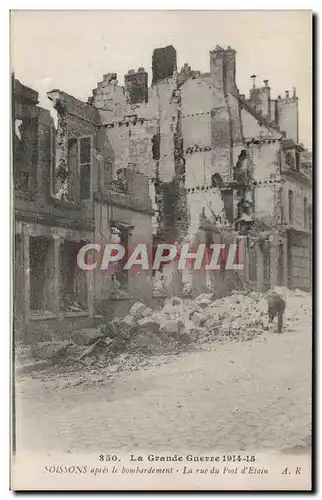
(230, 70)
(287, 117)
(260, 98)
(217, 66)
(223, 68)
(136, 85)
(164, 63)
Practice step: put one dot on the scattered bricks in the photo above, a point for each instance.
(198, 333)
(167, 339)
(198, 318)
(117, 345)
(170, 327)
(158, 317)
(238, 323)
(185, 338)
(191, 313)
(204, 303)
(212, 322)
(215, 331)
(203, 300)
(181, 324)
(148, 343)
(87, 336)
(125, 333)
(148, 324)
(129, 321)
(173, 311)
(167, 300)
(226, 321)
(49, 350)
(168, 308)
(116, 321)
(94, 349)
(147, 312)
(137, 310)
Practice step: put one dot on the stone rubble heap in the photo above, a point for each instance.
(238, 317)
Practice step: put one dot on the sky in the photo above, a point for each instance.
(71, 50)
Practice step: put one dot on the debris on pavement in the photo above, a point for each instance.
(125, 343)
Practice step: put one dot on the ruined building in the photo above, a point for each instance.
(188, 159)
(65, 197)
(221, 167)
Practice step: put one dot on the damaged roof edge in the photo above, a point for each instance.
(24, 92)
(290, 144)
(75, 106)
(256, 115)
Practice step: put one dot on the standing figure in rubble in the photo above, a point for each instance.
(276, 307)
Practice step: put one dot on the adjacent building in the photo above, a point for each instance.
(65, 198)
(221, 167)
(188, 159)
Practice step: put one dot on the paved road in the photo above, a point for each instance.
(253, 395)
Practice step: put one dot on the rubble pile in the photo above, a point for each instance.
(238, 317)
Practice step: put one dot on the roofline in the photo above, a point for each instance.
(256, 115)
(290, 144)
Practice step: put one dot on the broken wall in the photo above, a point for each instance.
(42, 206)
(164, 63)
(41, 292)
(301, 190)
(299, 261)
(260, 99)
(136, 86)
(139, 281)
(211, 132)
(109, 97)
(76, 152)
(265, 159)
(264, 204)
(163, 98)
(209, 203)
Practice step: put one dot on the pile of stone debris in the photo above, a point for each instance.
(238, 317)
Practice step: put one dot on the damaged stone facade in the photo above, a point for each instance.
(52, 224)
(187, 160)
(213, 156)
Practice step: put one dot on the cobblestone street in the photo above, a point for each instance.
(250, 395)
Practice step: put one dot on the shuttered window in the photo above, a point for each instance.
(290, 207)
(78, 172)
(85, 147)
(228, 199)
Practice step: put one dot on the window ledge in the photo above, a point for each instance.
(64, 203)
(297, 229)
(42, 316)
(75, 314)
(60, 316)
(121, 296)
(23, 195)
